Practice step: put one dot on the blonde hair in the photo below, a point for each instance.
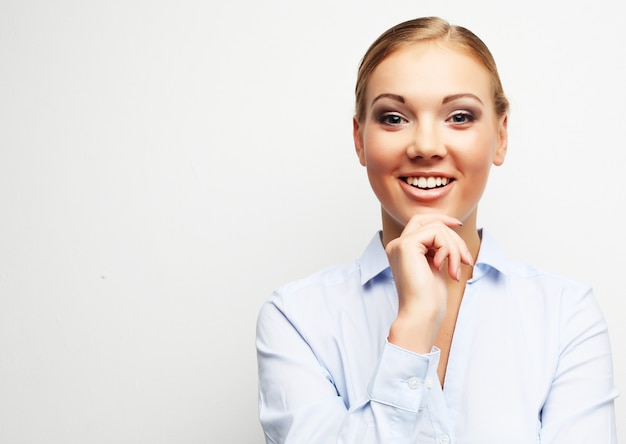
(423, 30)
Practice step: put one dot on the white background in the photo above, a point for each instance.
(165, 164)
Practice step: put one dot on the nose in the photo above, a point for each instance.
(426, 142)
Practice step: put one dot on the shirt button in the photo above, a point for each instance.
(444, 439)
(429, 385)
(414, 382)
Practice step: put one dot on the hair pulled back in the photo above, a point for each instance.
(426, 29)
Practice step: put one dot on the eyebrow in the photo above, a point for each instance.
(395, 97)
(454, 97)
(445, 100)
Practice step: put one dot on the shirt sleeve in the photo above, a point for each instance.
(580, 404)
(298, 402)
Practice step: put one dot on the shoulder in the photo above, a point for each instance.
(524, 278)
(323, 287)
(313, 306)
(339, 286)
(520, 270)
(549, 296)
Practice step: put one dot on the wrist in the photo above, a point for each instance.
(416, 336)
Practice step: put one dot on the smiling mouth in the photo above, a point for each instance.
(427, 183)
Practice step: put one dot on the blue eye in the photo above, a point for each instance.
(391, 119)
(461, 117)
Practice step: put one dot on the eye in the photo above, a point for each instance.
(392, 119)
(461, 118)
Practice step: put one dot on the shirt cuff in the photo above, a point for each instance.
(403, 378)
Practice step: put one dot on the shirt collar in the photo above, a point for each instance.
(374, 261)
(491, 255)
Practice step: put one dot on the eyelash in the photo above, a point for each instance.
(384, 119)
(469, 117)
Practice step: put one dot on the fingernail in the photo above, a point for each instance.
(458, 274)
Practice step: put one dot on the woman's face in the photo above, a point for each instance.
(430, 133)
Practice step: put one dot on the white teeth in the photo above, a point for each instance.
(427, 182)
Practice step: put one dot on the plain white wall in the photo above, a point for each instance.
(165, 164)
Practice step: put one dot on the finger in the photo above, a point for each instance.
(421, 220)
(448, 245)
(432, 236)
(451, 250)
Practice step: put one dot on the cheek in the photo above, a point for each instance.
(375, 160)
(381, 151)
(477, 151)
(479, 163)
(372, 155)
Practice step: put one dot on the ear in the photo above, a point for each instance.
(503, 141)
(358, 141)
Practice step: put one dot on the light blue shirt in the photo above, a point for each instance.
(530, 361)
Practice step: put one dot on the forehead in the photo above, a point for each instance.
(430, 69)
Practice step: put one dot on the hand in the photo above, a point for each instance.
(427, 249)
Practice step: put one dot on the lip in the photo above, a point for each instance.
(422, 195)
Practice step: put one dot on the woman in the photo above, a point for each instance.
(433, 335)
